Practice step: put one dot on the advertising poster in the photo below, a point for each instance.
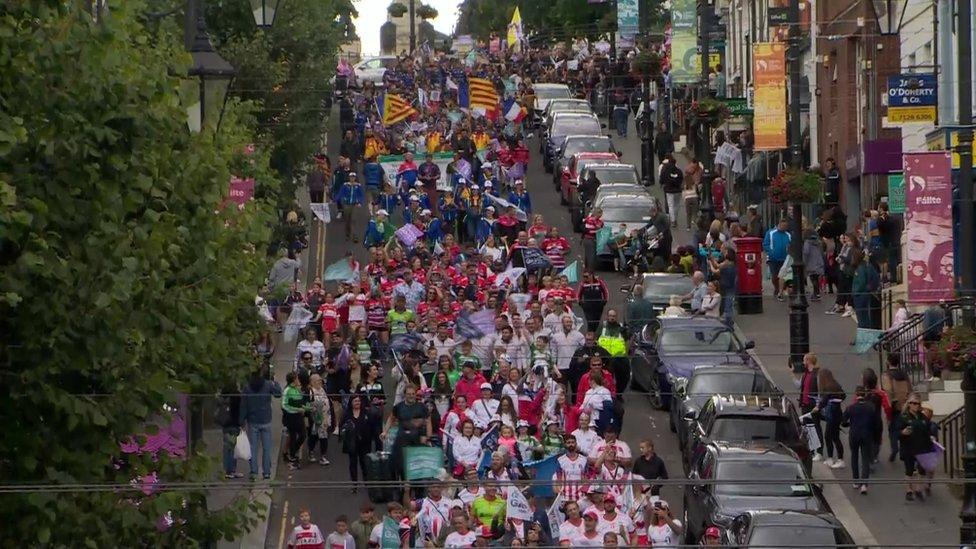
(684, 42)
(912, 98)
(928, 224)
(769, 103)
(627, 11)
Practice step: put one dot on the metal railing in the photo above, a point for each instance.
(952, 430)
(904, 341)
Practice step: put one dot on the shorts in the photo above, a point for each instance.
(774, 267)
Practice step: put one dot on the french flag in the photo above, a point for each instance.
(513, 111)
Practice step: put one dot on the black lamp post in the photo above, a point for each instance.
(265, 12)
(705, 137)
(211, 76)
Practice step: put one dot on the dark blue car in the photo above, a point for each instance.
(668, 350)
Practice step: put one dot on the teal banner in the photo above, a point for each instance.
(627, 22)
(422, 462)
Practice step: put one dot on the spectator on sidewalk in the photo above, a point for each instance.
(898, 386)
(864, 285)
(294, 406)
(776, 244)
(228, 416)
(845, 275)
(916, 438)
(316, 179)
(809, 391)
(671, 179)
(863, 422)
(813, 261)
(829, 407)
(728, 275)
(255, 414)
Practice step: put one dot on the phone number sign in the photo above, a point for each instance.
(912, 98)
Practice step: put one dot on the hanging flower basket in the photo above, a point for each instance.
(647, 63)
(792, 186)
(709, 110)
(957, 348)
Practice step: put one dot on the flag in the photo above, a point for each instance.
(571, 272)
(481, 93)
(516, 506)
(322, 212)
(515, 30)
(556, 516)
(448, 441)
(403, 343)
(511, 276)
(464, 328)
(340, 270)
(394, 109)
(502, 203)
(514, 112)
(627, 499)
(865, 339)
(489, 440)
(391, 534)
(543, 469)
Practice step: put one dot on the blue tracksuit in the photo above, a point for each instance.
(776, 244)
(351, 194)
(521, 201)
(373, 174)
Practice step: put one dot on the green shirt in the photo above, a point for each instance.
(398, 321)
(460, 359)
(486, 511)
(453, 376)
(292, 400)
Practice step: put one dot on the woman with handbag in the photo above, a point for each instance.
(357, 436)
(322, 419)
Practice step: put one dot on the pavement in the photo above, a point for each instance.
(880, 518)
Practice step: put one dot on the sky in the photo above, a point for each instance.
(372, 15)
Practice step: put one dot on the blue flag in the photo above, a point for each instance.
(571, 272)
(543, 469)
(402, 343)
(465, 328)
(489, 440)
(340, 270)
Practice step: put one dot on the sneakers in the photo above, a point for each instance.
(817, 457)
(294, 466)
(231, 476)
(831, 311)
(837, 464)
(829, 462)
(324, 461)
(848, 312)
(864, 489)
(266, 477)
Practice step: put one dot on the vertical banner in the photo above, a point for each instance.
(684, 42)
(896, 193)
(769, 73)
(627, 13)
(928, 226)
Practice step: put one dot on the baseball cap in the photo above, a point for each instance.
(486, 386)
(492, 208)
(425, 212)
(712, 532)
(382, 212)
(591, 513)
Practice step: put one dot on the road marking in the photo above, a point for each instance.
(284, 524)
(846, 513)
(320, 252)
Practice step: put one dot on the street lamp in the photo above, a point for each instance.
(265, 12)
(889, 14)
(206, 90)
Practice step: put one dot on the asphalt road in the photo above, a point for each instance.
(640, 420)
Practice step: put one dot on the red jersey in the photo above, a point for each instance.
(309, 537)
(330, 318)
(590, 226)
(555, 248)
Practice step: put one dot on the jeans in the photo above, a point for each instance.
(357, 462)
(620, 120)
(230, 442)
(728, 307)
(862, 453)
(260, 432)
(832, 437)
(894, 438)
(671, 201)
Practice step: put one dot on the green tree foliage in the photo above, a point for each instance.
(286, 70)
(122, 282)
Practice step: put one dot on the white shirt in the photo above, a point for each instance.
(467, 496)
(437, 512)
(569, 531)
(481, 411)
(586, 440)
(315, 347)
(710, 304)
(583, 541)
(618, 474)
(620, 521)
(301, 536)
(452, 423)
(593, 401)
(467, 451)
(623, 450)
(511, 389)
(563, 346)
(571, 470)
(445, 347)
(454, 539)
(663, 536)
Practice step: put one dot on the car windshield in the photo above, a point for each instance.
(663, 289)
(747, 428)
(583, 125)
(786, 476)
(569, 107)
(552, 93)
(589, 144)
(615, 175)
(620, 214)
(724, 383)
(786, 536)
(699, 340)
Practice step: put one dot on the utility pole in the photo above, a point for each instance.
(705, 137)
(411, 8)
(799, 318)
(967, 532)
(613, 39)
(646, 136)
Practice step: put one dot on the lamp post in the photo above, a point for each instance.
(799, 316)
(705, 138)
(210, 75)
(264, 12)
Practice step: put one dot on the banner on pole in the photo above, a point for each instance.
(928, 224)
(517, 507)
(422, 462)
(321, 211)
(391, 166)
(627, 16)
(684, 42)
(769, 119)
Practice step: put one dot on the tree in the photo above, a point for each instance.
(122, 283)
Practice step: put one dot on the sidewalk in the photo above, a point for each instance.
(882, 516)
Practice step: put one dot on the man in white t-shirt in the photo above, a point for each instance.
(586, 436)
(435, 509)
(462, 536)
(613, 521)
(572, 467)
(572, 527)
(624, 456)
(590, 537)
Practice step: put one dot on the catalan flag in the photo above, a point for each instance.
(393, 109)
(481, 93)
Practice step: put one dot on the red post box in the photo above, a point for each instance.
(750, 281)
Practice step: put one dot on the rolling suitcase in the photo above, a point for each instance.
(379, 467)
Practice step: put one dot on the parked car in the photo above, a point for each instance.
(706, 381)
(727, 467)
(565, 105)
(544, 93)
(787, 529)
(563, 124)
(606, 174)
(658, 289)
(576, 144)
(570, 175)
(624, 211)
(748, 418)
(667, 351)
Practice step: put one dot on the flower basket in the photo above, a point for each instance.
(647, 63)
(957, 348)
(795, 186)
(709, 110)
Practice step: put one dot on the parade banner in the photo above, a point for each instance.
(422, 462)
(627, 14)
(391, 165)
(684, 42)
(928, 224)
(769, 121)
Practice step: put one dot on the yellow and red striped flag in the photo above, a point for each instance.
(481, 93)
(396, 109)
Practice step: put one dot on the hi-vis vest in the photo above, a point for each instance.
(615, 345)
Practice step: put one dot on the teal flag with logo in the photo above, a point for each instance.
(571, 272)
(422, 462)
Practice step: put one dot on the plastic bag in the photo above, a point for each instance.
(242, 449)
(929, 461)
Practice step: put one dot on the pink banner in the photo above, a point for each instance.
(241, 190)
(928, 226)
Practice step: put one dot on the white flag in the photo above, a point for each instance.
(519, 214)
(321, 211)
(511, 275)
(297, 320)
(517, 506)
(556, 516)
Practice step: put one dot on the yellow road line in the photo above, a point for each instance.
(284, 524)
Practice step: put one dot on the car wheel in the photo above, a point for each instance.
(654, 392)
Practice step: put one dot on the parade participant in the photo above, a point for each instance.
(590, 537)
(616, 522)
(572, 527)
(596, 369)
(520, 198)
(484, 407)
(352, 198)
(591, 224)
(429, 174)
(556, 248)
(712, 537)
(306, 535)
(572, 469)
